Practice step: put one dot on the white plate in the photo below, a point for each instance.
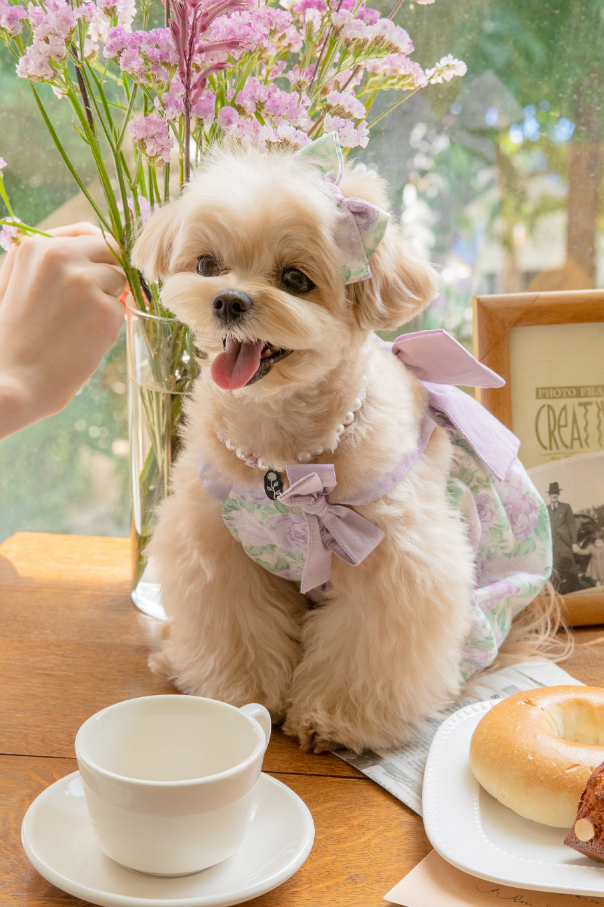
(58, 839)
(480, 836)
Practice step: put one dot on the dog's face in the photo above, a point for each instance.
(250, 263)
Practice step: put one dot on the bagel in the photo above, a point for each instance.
(536, 750)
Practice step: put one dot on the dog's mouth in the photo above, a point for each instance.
(242, 364)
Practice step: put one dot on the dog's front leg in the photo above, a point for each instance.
(235, 627)
(383, 654)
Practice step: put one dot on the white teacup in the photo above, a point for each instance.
(169, 780)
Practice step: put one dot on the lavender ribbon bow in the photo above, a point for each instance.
(440, 362)
(361, 226)
(331, 527)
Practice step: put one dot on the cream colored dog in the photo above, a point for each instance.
(250, 261)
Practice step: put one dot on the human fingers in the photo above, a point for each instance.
(102, 249)
(114, 316)
(83, 228)
(110, 278)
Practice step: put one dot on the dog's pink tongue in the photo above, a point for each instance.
(235, 367)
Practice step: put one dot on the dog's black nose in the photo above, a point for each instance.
(230, 305)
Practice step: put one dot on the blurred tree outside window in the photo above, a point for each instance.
(496, 178)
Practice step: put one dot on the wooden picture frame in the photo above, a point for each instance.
(493, 319)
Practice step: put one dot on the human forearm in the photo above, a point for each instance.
(15, 407)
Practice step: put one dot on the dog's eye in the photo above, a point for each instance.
(295, 281)
(208, 266)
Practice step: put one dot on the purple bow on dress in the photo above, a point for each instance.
(331, 527)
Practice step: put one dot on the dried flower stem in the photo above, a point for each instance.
(395, 9)
(83, 92)
(320, 59)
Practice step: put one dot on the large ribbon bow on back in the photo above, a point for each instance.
(361, 226)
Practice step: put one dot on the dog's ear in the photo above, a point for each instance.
(401, 284)
(152, 251)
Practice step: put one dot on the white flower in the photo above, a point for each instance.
(445, 70)
(312, 21)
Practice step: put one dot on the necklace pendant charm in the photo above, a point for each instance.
(273, 484)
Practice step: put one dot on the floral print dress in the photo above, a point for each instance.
(510, 527)
(507, 522)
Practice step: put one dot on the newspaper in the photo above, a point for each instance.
(401, 771)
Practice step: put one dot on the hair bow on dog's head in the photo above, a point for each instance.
(361, 226)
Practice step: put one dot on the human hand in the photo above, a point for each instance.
(577, 549)
(59, 314)
(83, 228)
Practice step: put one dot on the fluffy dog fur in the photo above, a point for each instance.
(382, 652)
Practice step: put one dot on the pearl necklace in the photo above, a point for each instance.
(307, 455)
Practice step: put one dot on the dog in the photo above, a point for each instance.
(251, 258)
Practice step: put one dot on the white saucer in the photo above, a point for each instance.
(59, 841)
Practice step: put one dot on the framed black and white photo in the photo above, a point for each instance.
(549, 347)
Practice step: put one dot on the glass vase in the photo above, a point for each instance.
(162, 364)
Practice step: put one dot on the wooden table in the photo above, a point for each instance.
(71, 643)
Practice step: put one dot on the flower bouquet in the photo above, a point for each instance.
(150, 102)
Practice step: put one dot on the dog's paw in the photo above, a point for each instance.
(312, 738)
(159, 663)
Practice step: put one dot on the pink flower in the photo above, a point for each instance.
(303, 5)
(52, 28)
(398, 66)
(152, 136)
(203, 108)
(102, 12)
(356, 34)
(346, 4)
(300, 78)
(3, 163)
(290, 136)
(10, 18)
(340, 18)
(227, 117)
(343, 104)
(271, 103)
(350, 136)
(144, 206)
(395, 35)
(372, 16)
(9, 237)
(171, 101)
(277, 70)
(149, 57)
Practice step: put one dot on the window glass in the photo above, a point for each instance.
(496, 178)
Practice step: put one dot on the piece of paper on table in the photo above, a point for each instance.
(435, 883)
(401, 771)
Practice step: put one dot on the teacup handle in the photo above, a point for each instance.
(254, 710)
